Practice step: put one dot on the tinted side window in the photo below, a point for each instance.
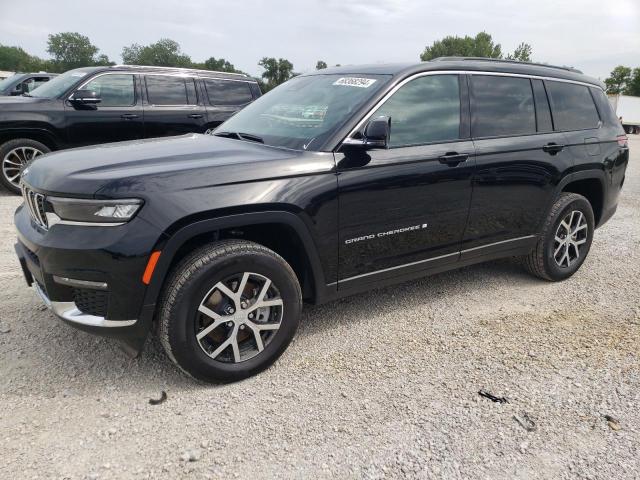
(607, 113)
(573, 107)
(114, 90)
(501, 106)
(425, 110)
(167, 90)
(227, 92)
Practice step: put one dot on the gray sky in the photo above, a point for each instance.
(593, 35)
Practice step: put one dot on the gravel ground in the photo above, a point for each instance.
(382, 385)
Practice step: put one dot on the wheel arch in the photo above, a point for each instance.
(284, 232)
(589, 184)
(41, 135)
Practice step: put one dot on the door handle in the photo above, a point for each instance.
(129, 116)
(453, 158)
(195, 115)
(552, 148)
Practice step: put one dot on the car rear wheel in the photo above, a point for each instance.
(15, 155)
(565, 240)
(229, 310)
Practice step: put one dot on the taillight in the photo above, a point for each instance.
(623, 141)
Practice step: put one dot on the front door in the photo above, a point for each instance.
(116, 118)
(403, 209)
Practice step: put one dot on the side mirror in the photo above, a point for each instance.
(377, 131)
(376, 134)
(84, 97)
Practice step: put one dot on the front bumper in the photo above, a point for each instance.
(91, 277)
(70, 312)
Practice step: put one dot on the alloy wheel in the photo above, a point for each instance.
(239, 317)
(571, 235)
(14, 162)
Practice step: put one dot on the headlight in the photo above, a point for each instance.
(80, 211)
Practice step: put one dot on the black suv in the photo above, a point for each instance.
(333, 183)
(22, 83)
(95, 105)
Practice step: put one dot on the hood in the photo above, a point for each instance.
(11, 105)
(167, 164)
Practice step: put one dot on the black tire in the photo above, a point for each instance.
(541, 261)
(8, 169)
(193, 280)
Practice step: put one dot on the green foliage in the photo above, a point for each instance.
(275, 72)
(633, 85)
(618, 79)
(73, 50)
(164, 53)
(219, 65)
(321, 65)
(482, 45)
(522, 53)
(479, 46)
(15, 59)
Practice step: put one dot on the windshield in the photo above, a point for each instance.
(4, 84)
(303, 112)
(60, 84)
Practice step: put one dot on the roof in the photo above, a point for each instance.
(178, 70)
(467, 64)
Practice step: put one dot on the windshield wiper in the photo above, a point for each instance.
(240, 136)
(27, 95)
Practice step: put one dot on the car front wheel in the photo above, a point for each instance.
(229, 310)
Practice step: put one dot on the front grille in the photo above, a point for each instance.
(91, 302)
(35, 203)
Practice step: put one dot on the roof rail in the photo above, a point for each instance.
(155, 67)
(501, 60)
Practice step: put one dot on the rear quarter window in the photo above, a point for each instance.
(501, 106)
(228, 92)
(572, 106)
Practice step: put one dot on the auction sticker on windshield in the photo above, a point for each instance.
(355, 82)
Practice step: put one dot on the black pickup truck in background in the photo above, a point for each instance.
(94, 105)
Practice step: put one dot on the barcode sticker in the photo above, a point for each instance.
(355, 82)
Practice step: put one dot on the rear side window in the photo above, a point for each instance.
(607, 113)
(169, 90)
(227, 92)
(501, 106)
(425, 110)
(573, 107)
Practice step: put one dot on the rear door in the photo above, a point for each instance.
(225, 97)
(172, 106)
(402, 210)
(519, 161)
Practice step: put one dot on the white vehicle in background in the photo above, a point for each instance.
(627, 108)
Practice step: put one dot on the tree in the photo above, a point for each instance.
(217, 64)
(618, 79)
(275, 71)
(522, 53)
(321, 65)
(72, 50)
(164, 53)
(15, 59)
(479, 46)
(633, 85)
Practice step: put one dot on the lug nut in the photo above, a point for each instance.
(251, 316)
(243, 304)
(232, 311)
(242, 327)
(229, 324)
